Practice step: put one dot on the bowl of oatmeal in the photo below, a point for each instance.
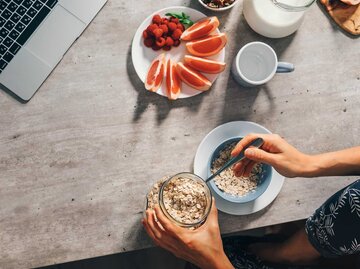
(232, 188)
(184, 198)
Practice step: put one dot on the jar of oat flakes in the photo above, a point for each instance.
(185, 199)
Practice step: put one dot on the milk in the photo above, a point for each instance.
(265, 18)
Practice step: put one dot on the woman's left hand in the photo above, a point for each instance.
(202, 246)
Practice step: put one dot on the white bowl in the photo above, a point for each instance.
(220, 8)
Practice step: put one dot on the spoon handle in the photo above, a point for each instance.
(257, 143)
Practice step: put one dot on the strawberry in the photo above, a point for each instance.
(164, 21)
(176, 43)
(169, 41)
(172, 26)
(176, 34)
(148, 42)
(158, 32)
(156, 19)
(160, 42)
(164, 27)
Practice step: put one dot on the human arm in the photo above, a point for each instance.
(202, 246)
(337, 163)
(290, 162)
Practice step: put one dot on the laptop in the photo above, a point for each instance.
(34, 36)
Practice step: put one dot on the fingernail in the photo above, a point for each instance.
(249, 152)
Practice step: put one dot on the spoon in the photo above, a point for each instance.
(257, 143)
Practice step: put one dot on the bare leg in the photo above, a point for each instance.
(296, 250)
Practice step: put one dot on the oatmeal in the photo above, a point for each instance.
(227, 181)
(153, 195)
(184, 199)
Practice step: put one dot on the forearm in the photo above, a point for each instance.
(339, 163)
(220, 261)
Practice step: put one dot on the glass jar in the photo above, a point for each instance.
(204, 205)
(275, 18)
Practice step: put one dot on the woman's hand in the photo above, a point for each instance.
(202, 247)
(276, 152)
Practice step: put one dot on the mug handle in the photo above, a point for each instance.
(284, 67)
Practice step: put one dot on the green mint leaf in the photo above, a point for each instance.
(190, 23)
(185, 21)
(174, 15)
(183, 18)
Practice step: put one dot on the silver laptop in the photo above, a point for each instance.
(34, 36)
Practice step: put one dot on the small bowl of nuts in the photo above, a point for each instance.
(185, 199)
(232, 188)
(218, 5)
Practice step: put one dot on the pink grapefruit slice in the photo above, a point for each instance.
(155, 73)
(192, 77)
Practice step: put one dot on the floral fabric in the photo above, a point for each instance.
(334, 228)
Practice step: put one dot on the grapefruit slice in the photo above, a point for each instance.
(204, 65)
(173, 81)
(207, 46)
(192, 77)
(155, 74)
(201, 28)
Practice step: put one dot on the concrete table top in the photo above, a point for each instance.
(78, 159)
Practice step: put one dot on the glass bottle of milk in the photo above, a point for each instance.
(275, 18)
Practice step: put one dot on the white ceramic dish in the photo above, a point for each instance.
(204, 152)
(218, 9)
(143, 56)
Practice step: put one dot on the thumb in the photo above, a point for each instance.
(259, 155)
(213, 216)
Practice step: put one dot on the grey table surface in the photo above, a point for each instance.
(77, 160)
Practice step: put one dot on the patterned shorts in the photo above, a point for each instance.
(334, 230)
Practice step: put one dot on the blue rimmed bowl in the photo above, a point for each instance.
(263, 182)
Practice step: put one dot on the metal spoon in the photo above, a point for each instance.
(257, 143)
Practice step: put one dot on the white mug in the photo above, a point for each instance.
(256, 63)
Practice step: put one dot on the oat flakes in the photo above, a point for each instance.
(184, 199)
(227, 181)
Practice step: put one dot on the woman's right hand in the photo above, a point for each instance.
(276, 152)
(202, 246)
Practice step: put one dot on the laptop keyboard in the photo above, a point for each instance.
(18, 20)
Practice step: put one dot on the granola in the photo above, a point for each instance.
(218, 3)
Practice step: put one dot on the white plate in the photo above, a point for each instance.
(207, 147)
(142, 56)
